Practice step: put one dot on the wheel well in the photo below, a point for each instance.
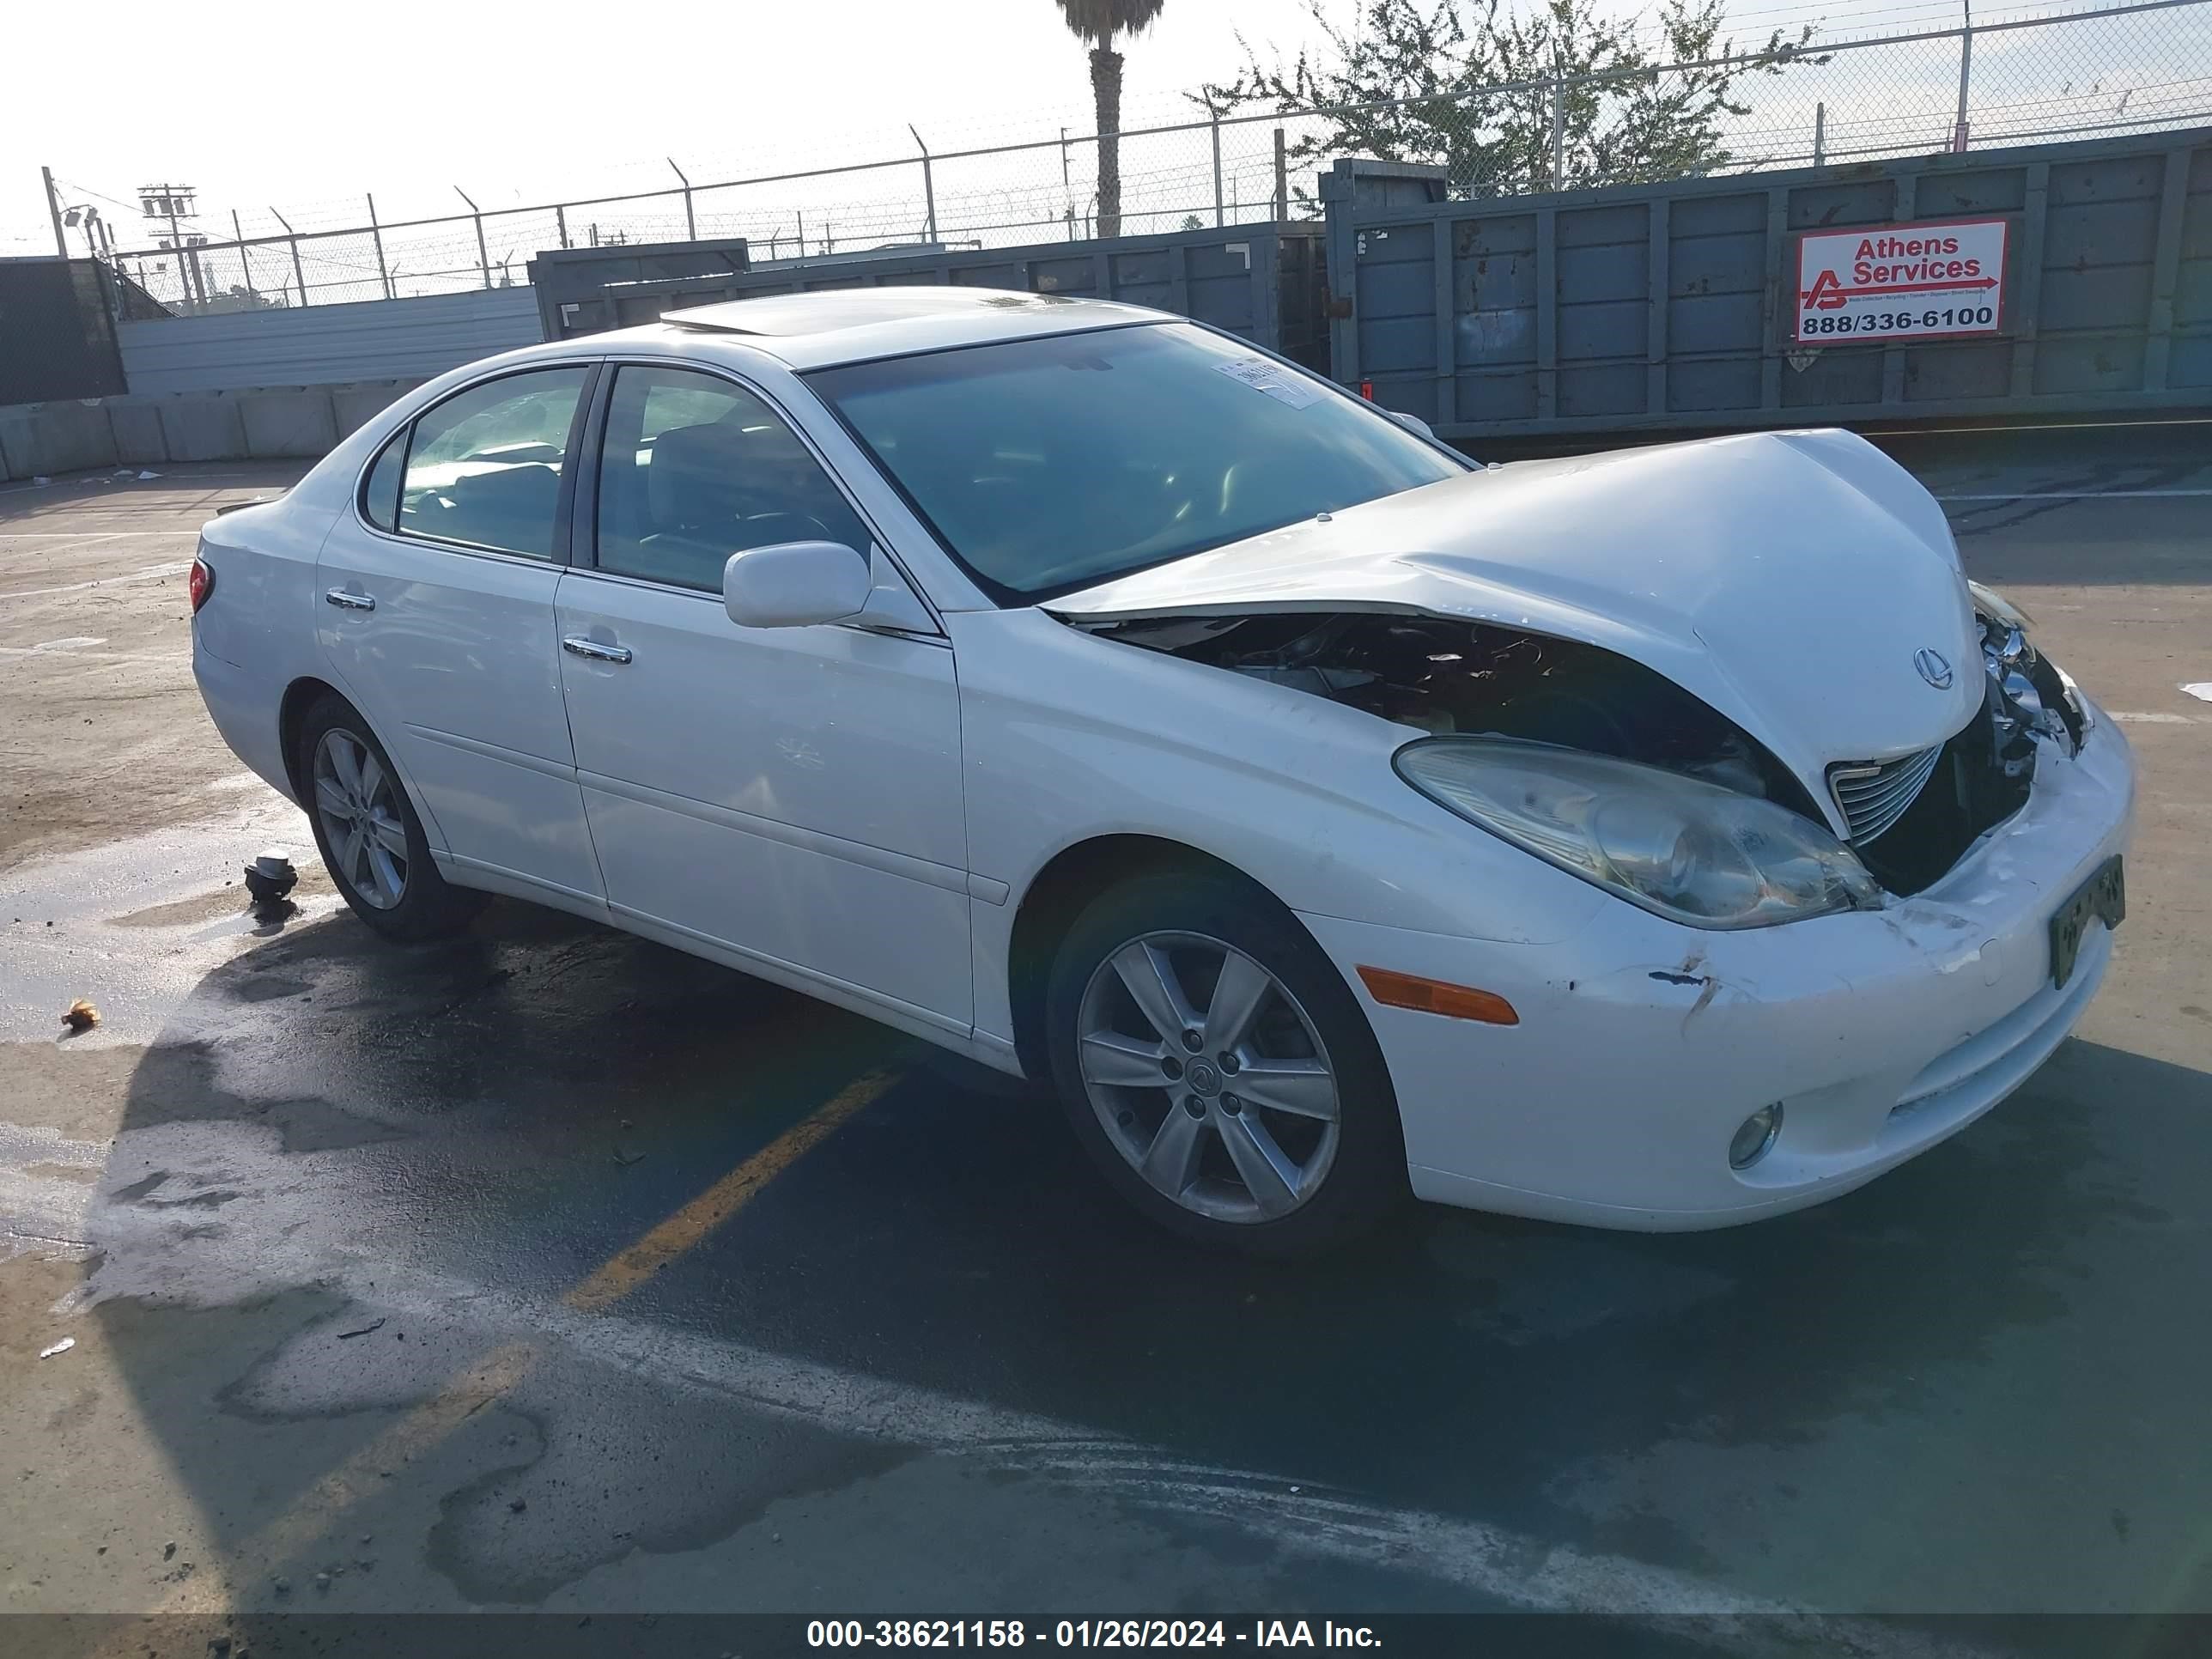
(300, 696)
(1074, 877)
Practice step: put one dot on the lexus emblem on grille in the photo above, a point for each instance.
(1933, 668)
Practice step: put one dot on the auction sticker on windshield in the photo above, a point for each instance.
(1901, 282)
(1263, 376)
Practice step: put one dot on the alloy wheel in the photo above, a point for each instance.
(1208, 1077)
(359, 807)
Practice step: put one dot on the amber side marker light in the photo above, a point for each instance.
(1435, 996)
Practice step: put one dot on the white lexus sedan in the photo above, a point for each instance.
(1663, 839)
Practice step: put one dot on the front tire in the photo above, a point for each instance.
(1220, 1072)
(368, 832)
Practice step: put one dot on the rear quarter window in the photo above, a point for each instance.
(379, 490)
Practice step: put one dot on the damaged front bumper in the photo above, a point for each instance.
(1643, 1045)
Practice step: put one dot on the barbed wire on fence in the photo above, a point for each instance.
(2116, 68)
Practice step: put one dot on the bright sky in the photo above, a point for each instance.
(306, 107)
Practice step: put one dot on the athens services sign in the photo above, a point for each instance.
(1901, 282)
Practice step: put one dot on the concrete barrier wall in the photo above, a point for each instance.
(264, 423)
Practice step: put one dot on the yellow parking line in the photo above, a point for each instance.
(684, 1229)
(312, 1514)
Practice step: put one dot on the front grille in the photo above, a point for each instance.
(1874, 796)
(1980, 778)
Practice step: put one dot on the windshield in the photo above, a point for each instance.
(1048, 464)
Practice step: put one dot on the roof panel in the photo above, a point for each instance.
(813, 331)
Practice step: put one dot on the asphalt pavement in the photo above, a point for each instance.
(552, 1270)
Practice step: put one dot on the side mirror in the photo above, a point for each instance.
(1412, 423)
(794, 584)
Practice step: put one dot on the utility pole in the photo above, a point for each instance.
(173, 202)
(54, 212)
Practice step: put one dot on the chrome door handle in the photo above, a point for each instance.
(578, 646)
(345, 601)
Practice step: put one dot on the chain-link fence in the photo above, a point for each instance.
(2126, 68)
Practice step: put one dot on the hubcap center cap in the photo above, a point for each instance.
(1203, 1078)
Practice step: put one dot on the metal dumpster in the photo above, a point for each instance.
(1686, 305)
(585, 290)
(1262, 281)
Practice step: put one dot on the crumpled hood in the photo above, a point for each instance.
(1787, 578)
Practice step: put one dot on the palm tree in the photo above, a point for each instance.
(1099, 21)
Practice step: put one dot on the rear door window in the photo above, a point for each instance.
(483, 467)
(695, 468)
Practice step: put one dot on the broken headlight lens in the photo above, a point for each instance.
(2031, 682)
(1690, 851)
(1998, 609)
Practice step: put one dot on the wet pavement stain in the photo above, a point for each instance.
(641, 1470)
(269, 987)
(226, 901)
(570, 1463)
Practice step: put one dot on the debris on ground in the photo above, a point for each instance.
(62, 1346)
(373, 1325)
(2199, 689)
(517, 1506)
(270, 876)
(82, 1016)
(143, 476)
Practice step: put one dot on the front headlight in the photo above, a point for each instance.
(1687, 850)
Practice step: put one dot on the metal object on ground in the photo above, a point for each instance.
(270, 876)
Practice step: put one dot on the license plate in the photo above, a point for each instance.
(2103, 897)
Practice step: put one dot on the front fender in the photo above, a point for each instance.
(1068, 737)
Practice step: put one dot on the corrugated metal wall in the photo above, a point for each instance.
(322, 346)
(1671, 306)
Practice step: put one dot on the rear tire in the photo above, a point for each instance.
(1220, 1072)
(369, 832)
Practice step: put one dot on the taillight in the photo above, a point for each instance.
(1367, 390)
(203, 583)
